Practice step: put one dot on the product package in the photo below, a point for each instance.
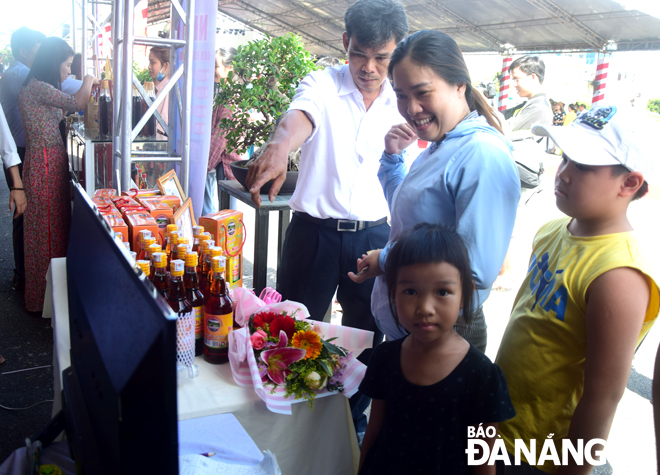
(228, 231)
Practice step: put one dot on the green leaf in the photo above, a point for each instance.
(333, 349)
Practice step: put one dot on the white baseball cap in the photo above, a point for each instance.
(604, 135)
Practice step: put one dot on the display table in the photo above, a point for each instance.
(227, 188)
(319, 442)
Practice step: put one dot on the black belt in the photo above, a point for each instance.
(341, 224)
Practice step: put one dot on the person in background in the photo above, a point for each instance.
(11, 161)
(159, 69)
(589, 297)
(465, 179)
(219, 159)
(558, 114)
(24, 45)
(76, 67)
(581, 108)
(338, 117)
(571, 116)
(46, 174)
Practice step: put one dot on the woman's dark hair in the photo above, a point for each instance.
(426, 244)
(438, 51)
(76, 66)
(573, 107)
(48, 62)
(162, 54)
(374, 23)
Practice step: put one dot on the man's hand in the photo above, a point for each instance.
(271, 165)
(17, 202)
(367, 267)
(398, 138)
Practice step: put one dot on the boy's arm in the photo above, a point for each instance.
(376, 419)
(616, 305)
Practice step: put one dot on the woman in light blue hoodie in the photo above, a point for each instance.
(466, 179)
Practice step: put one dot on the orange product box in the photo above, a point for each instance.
(122, 202)
(118, 225)
(161, 212)
(170, 200)
(102, 201)
(137, 221)
(105, 192)
(137, 193)
(228, 231)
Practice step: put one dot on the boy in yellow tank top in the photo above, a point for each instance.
(588, 298)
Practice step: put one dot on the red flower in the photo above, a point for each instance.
(261, 320)
(285, 324)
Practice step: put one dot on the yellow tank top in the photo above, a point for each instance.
(543, 350)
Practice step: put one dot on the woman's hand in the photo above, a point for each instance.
(399, 138)
(367, 267)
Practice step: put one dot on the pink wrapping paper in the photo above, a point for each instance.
(246, 373)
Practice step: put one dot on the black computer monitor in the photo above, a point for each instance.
(120, 391)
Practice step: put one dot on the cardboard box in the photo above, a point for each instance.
(226, 227)
(161, 212)
(105, 192)
(170, 200)
(137, 221)
(136, 193)
(118, 224)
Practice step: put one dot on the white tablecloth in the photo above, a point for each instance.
(319, 442)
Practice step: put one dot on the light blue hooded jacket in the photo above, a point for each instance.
(469, 182)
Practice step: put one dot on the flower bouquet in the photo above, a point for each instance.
(290, 359)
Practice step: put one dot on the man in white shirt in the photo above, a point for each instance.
(340, 117)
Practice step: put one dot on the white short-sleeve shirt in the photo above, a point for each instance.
(338, 176)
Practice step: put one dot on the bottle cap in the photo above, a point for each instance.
(191, 259)
(174, 238)
(183, 239)
(142, 235)
(148, 241)
(182, 249)
(133, 255)
(104, 84)
(203, 236)
(127, 245)
(153, 249)
(206, 245)
(216, 251)
(160, 259)
(171, 227)
(119, 235)
(144, 266)
(218, 263)
(197, 230)
(176, 268)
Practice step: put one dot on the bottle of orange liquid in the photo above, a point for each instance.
(160, 280)
(151, 250)
(174, 242)
(205, 266)
(166, 245)
(196, 299)
(218, 316)
(182, 248)
(213, 251)
(145, 239)
(205, 236)
(197, 230)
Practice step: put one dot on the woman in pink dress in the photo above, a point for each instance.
(46, 168)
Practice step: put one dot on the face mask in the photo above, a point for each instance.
(160, 76)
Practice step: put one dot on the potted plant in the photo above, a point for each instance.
(258, 91)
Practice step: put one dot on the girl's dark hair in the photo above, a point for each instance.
(48, 61)
(162, 54)
(438, 51)
(425, 244)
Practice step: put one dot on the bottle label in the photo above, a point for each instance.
(217, 329)
(199, 322)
